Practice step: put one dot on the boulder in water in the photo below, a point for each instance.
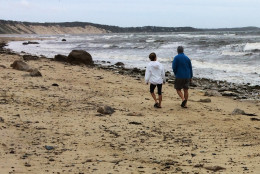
(60, 58)
(80, 57)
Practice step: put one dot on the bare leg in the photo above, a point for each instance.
(186, 95)
(180, 94)
(160, 100)
(154, 97)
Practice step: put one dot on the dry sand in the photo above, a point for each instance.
(36, 114)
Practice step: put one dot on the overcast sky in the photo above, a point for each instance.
(133, 13)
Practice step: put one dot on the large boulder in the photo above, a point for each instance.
(80, 57)
(20, 65)
(60, 58)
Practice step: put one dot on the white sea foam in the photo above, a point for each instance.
(172, 45)
(252, 46)
(150, 40)
(245, 69)
(231, 53)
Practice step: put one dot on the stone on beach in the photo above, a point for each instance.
(207, 100)
(107, 110)
(61, 58)
(215, 168)
(80, 57)
(35, 73)
(20, 65)
(238, 112)
(212, 93)
(2, 66)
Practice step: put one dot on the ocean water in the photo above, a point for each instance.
(229, 56)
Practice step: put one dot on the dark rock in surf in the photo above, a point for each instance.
(30, 57)
(60, 58)
(80, 57)
(120, 64)
(63, 40)
(29, 42)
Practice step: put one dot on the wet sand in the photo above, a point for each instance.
(50, 124)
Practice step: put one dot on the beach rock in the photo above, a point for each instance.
(212, 93)
(238, 112)
(215, 168)
(29, 42)
(136, 70)
(2, 45)
(35, 73)
(20, 65)
(2, 120)
(60, 58)
(207, 100)
(2, 66)
(229, 94)
(80, 57)
(54, 84)
(49, 147)
(135, 123)
(120, 64)
(252, 119)
(63, 40)
(135, 114)
(107, 110)
(30, 57)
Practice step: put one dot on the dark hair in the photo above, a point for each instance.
(180, 49)
(152, 56)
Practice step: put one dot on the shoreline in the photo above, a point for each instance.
(216, 87)
(50, 124)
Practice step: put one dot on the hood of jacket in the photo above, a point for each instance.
(155, 64)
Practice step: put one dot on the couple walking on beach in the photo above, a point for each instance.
(182, 69)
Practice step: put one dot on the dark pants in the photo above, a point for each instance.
(181, 84)
(159, 88)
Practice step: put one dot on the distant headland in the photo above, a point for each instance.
(16, 27)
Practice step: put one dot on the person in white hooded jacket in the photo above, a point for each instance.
(155, 75)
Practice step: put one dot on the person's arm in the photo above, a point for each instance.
(191, 72)
(163, 75)
(147, 74)
(174, 65)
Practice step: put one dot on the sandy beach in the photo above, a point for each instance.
(50, 124)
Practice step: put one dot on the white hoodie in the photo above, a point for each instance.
(154, 73)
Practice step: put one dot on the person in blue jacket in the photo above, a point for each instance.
(182, 69)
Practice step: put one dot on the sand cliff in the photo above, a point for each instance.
(20, 28)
